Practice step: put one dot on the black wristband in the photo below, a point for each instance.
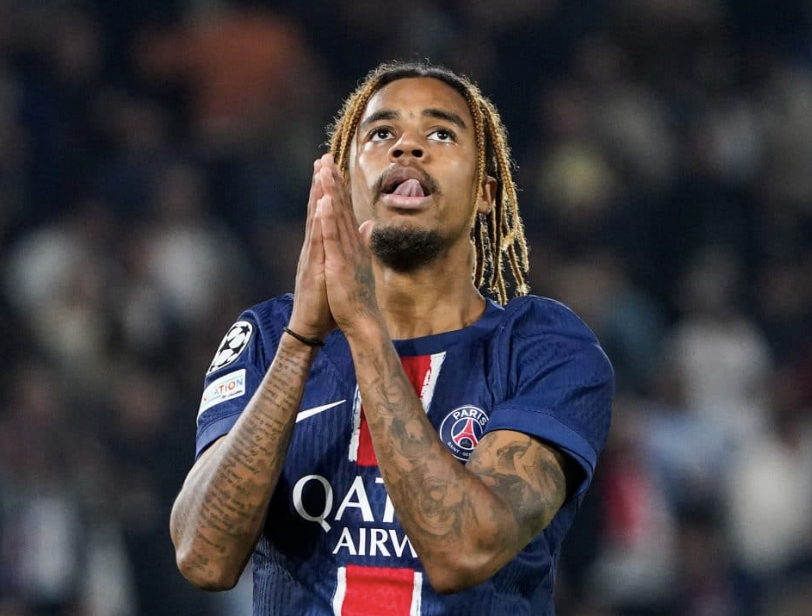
(308, 341)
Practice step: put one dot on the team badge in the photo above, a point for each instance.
(233, 344)
(461, 430)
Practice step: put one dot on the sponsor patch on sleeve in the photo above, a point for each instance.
(234, 343)
(227, 387)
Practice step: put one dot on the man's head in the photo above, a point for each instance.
(407, 118)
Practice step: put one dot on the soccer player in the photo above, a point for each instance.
(386, 440)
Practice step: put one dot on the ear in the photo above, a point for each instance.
(488, 196)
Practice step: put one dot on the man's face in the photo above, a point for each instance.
(413, 162)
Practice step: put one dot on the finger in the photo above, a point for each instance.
(330, 235)
(333, 178)
(348, 231)
(328, 181)
(342, 206)
(327, 160)
(316, 191)
(316, 188)
(315, 247)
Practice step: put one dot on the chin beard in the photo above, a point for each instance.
(405, 249)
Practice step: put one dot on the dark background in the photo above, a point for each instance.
(154, 164)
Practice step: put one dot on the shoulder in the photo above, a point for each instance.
(540, 336)
(271, 312)
(269, 317)
(559, 381)
(534, 316)
(255, 330)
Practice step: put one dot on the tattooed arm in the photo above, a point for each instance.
(465, 522)
(219, 513)
(221, 508)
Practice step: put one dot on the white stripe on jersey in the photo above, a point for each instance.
(356, 426)
(417, 594)
(427, 393)
(341, 590)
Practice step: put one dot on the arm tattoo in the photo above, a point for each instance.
(225, 503)
(508, 492)
(426, 484)
(527, 475)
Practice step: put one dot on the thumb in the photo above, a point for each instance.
(365, 230)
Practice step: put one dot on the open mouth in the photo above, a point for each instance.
(406, 188)
(407, 182)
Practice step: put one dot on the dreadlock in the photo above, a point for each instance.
(498, 233)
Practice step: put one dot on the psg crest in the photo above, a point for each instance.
(461, 430)
(234, 343)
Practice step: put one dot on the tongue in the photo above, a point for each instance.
(410, 188)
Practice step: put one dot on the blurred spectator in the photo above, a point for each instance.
(769, 495)
(58, 552)
(191, 258)
(636, 567)
(627, 321)
(247, 68)
(719, 351)
(689, 455)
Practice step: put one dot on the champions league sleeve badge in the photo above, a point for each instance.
(233, 344)
(461, 430)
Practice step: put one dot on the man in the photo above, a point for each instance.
(446, 440)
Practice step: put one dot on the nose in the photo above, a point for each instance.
(407, 146)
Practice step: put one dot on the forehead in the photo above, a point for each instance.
(412, 95)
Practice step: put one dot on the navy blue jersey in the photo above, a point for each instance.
(332, 543)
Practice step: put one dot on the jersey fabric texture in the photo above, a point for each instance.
(332, 544)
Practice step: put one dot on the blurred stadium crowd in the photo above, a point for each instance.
(154, 164)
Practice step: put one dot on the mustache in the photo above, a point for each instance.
(426, 180)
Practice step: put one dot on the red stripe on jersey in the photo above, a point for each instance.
(372, 591)
(366, 452)
(417, 369)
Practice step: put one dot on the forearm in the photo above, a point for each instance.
(460, 528)
(221, 508)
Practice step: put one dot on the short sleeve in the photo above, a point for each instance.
(231, 379)
(560, 384)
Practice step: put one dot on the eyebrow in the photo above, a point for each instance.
(431, 112)
(448, 116)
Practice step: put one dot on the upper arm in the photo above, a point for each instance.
(529, 476)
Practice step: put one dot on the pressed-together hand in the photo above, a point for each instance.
(311, 313)
(347, 263)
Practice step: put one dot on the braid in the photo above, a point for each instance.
(494, 234)
(349, 117)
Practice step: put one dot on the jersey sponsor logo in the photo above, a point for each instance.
(461, 430)
(364, 530)
(227, 387)
(234, 343)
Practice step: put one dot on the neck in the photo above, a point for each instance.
(439, 297)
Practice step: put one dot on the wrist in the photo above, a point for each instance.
(368, 330)
(306, 330)
(306, 340)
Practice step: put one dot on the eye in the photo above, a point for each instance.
(379, 134)
(442, 135)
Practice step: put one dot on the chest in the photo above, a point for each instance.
(457, 387)
(331, 485)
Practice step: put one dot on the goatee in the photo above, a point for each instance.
(405, 249)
